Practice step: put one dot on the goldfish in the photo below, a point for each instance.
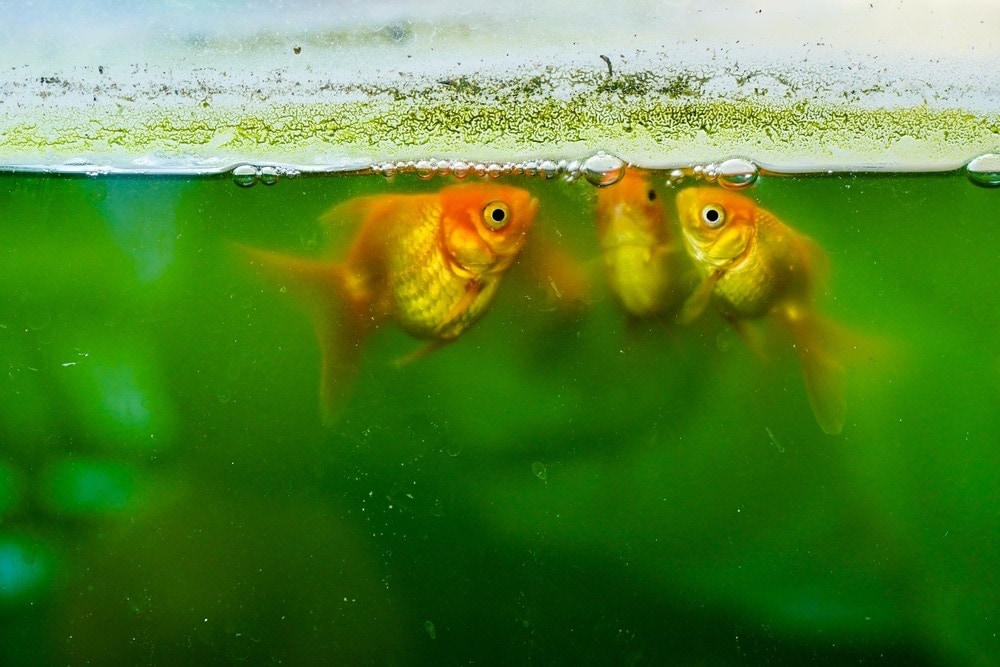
(752, 265)
(430, 263)
(645, 267)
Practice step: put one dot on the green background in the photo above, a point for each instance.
(552, 487)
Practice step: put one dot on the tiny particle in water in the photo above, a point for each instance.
(540, 470)
(774, 440)
(296, 49)
(431, 630)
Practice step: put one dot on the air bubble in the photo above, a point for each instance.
(985, 170)
(245, 175)
(268, 175)
(460, 169)
(540, 471)
(494, 170)
(735, 173)
(603, 169)
(424, 169)
(443, 168)
(548, 169)
(570, 170)
(676, 177)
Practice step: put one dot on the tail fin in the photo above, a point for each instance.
(825, 376)
(338, 314)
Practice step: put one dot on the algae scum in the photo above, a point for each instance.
(554, 486)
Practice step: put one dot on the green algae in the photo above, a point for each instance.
(666, 117)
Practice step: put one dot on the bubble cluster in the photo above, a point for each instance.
(249, 175)
(600, 169)
(985, 170)
(734, 173)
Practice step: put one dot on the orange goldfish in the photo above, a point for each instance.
(753, 265)
(647, 272)
(431, 263)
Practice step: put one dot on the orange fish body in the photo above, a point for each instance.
(431, 263)
(753, 265)
(644, 266)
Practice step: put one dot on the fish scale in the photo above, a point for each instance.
(761, 280)
(425, 289)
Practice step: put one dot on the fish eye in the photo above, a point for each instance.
(713, 216)
(496, 215)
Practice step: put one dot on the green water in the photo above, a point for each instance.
(548, 489)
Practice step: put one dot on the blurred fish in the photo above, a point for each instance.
(646, 269)
(753, 265)
(431, 263)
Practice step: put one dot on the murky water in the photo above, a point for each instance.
(558, 485)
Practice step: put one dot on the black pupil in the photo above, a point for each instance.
(652, 195)
(712, 215)
(498, 215)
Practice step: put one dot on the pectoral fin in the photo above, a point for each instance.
(422, 352)
(695, 304)
(825, 377)
(472, 290)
